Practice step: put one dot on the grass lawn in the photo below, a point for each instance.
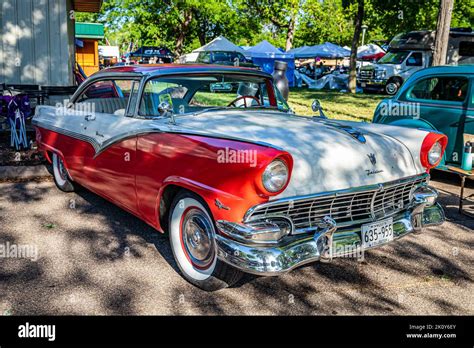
(343, 106)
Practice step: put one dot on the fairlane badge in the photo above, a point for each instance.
(373, 171)
(373, 160)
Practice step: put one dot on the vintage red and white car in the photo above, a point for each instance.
(214, 156)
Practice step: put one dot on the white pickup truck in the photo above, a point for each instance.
(411, 52)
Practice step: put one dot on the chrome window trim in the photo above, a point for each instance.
(101, 77)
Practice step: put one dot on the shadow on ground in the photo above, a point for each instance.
(98, 259)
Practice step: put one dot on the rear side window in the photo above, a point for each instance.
(446, 88)
(107, 96)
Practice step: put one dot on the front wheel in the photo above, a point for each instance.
(392, 87)
(192, 237)
(61, 177)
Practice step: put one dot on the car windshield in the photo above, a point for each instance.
(197, 92)
(393, 57)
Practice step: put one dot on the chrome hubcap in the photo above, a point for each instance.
(391, 88)
(197, 238)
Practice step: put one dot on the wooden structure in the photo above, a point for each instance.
(37, 40)
(87, 46)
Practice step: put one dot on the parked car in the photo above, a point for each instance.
(436, 99)
(238, 181)
(224, 58)
(410, 52)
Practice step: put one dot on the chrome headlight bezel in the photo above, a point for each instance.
(434, 154)
(275, 176)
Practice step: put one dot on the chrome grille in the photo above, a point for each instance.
(346, 207)
(366, 74)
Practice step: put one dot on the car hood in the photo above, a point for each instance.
(386, 67)
(327, 156)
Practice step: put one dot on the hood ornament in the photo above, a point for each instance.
(351, 131)
(372, 158)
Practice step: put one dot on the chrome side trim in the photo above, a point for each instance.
(120, 137)
(68, 133)
(101, 147)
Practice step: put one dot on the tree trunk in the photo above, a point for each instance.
(355, 41)
(202, 38)
(442, 32)
(188, 17)
(291, 32)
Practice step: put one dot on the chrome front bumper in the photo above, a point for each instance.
(374, 83)
(328, 242)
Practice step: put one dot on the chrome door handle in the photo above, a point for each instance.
(89, 118)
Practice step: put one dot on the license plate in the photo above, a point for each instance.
(363, 84)
(376, 233)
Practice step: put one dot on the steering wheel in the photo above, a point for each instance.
(244, 97)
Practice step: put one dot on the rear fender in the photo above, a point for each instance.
(418, 124)
(414, 123)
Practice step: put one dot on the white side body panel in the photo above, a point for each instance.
(326, 156)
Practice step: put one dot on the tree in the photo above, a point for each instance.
(442, 32)
(282, 14)
(183, 25)
(321, 22)
(180, 25)
(355, 42)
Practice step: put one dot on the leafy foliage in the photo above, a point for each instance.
(183, 25)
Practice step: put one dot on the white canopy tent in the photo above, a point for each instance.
(109, 51)
(220, 44)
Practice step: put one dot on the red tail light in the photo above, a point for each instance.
(432, 150)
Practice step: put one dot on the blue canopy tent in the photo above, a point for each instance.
(265, 54)
(326, 50)
(295, 51)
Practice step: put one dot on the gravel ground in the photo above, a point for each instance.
(94, 258)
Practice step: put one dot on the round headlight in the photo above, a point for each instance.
(275, 176)
(434, 155)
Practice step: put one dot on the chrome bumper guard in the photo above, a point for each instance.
(237, 248)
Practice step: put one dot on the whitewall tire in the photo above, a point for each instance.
(61, 177)
(192, 237)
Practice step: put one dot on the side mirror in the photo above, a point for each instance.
(316, 106)
(164, 108)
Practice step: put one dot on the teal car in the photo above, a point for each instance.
(439, 98)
